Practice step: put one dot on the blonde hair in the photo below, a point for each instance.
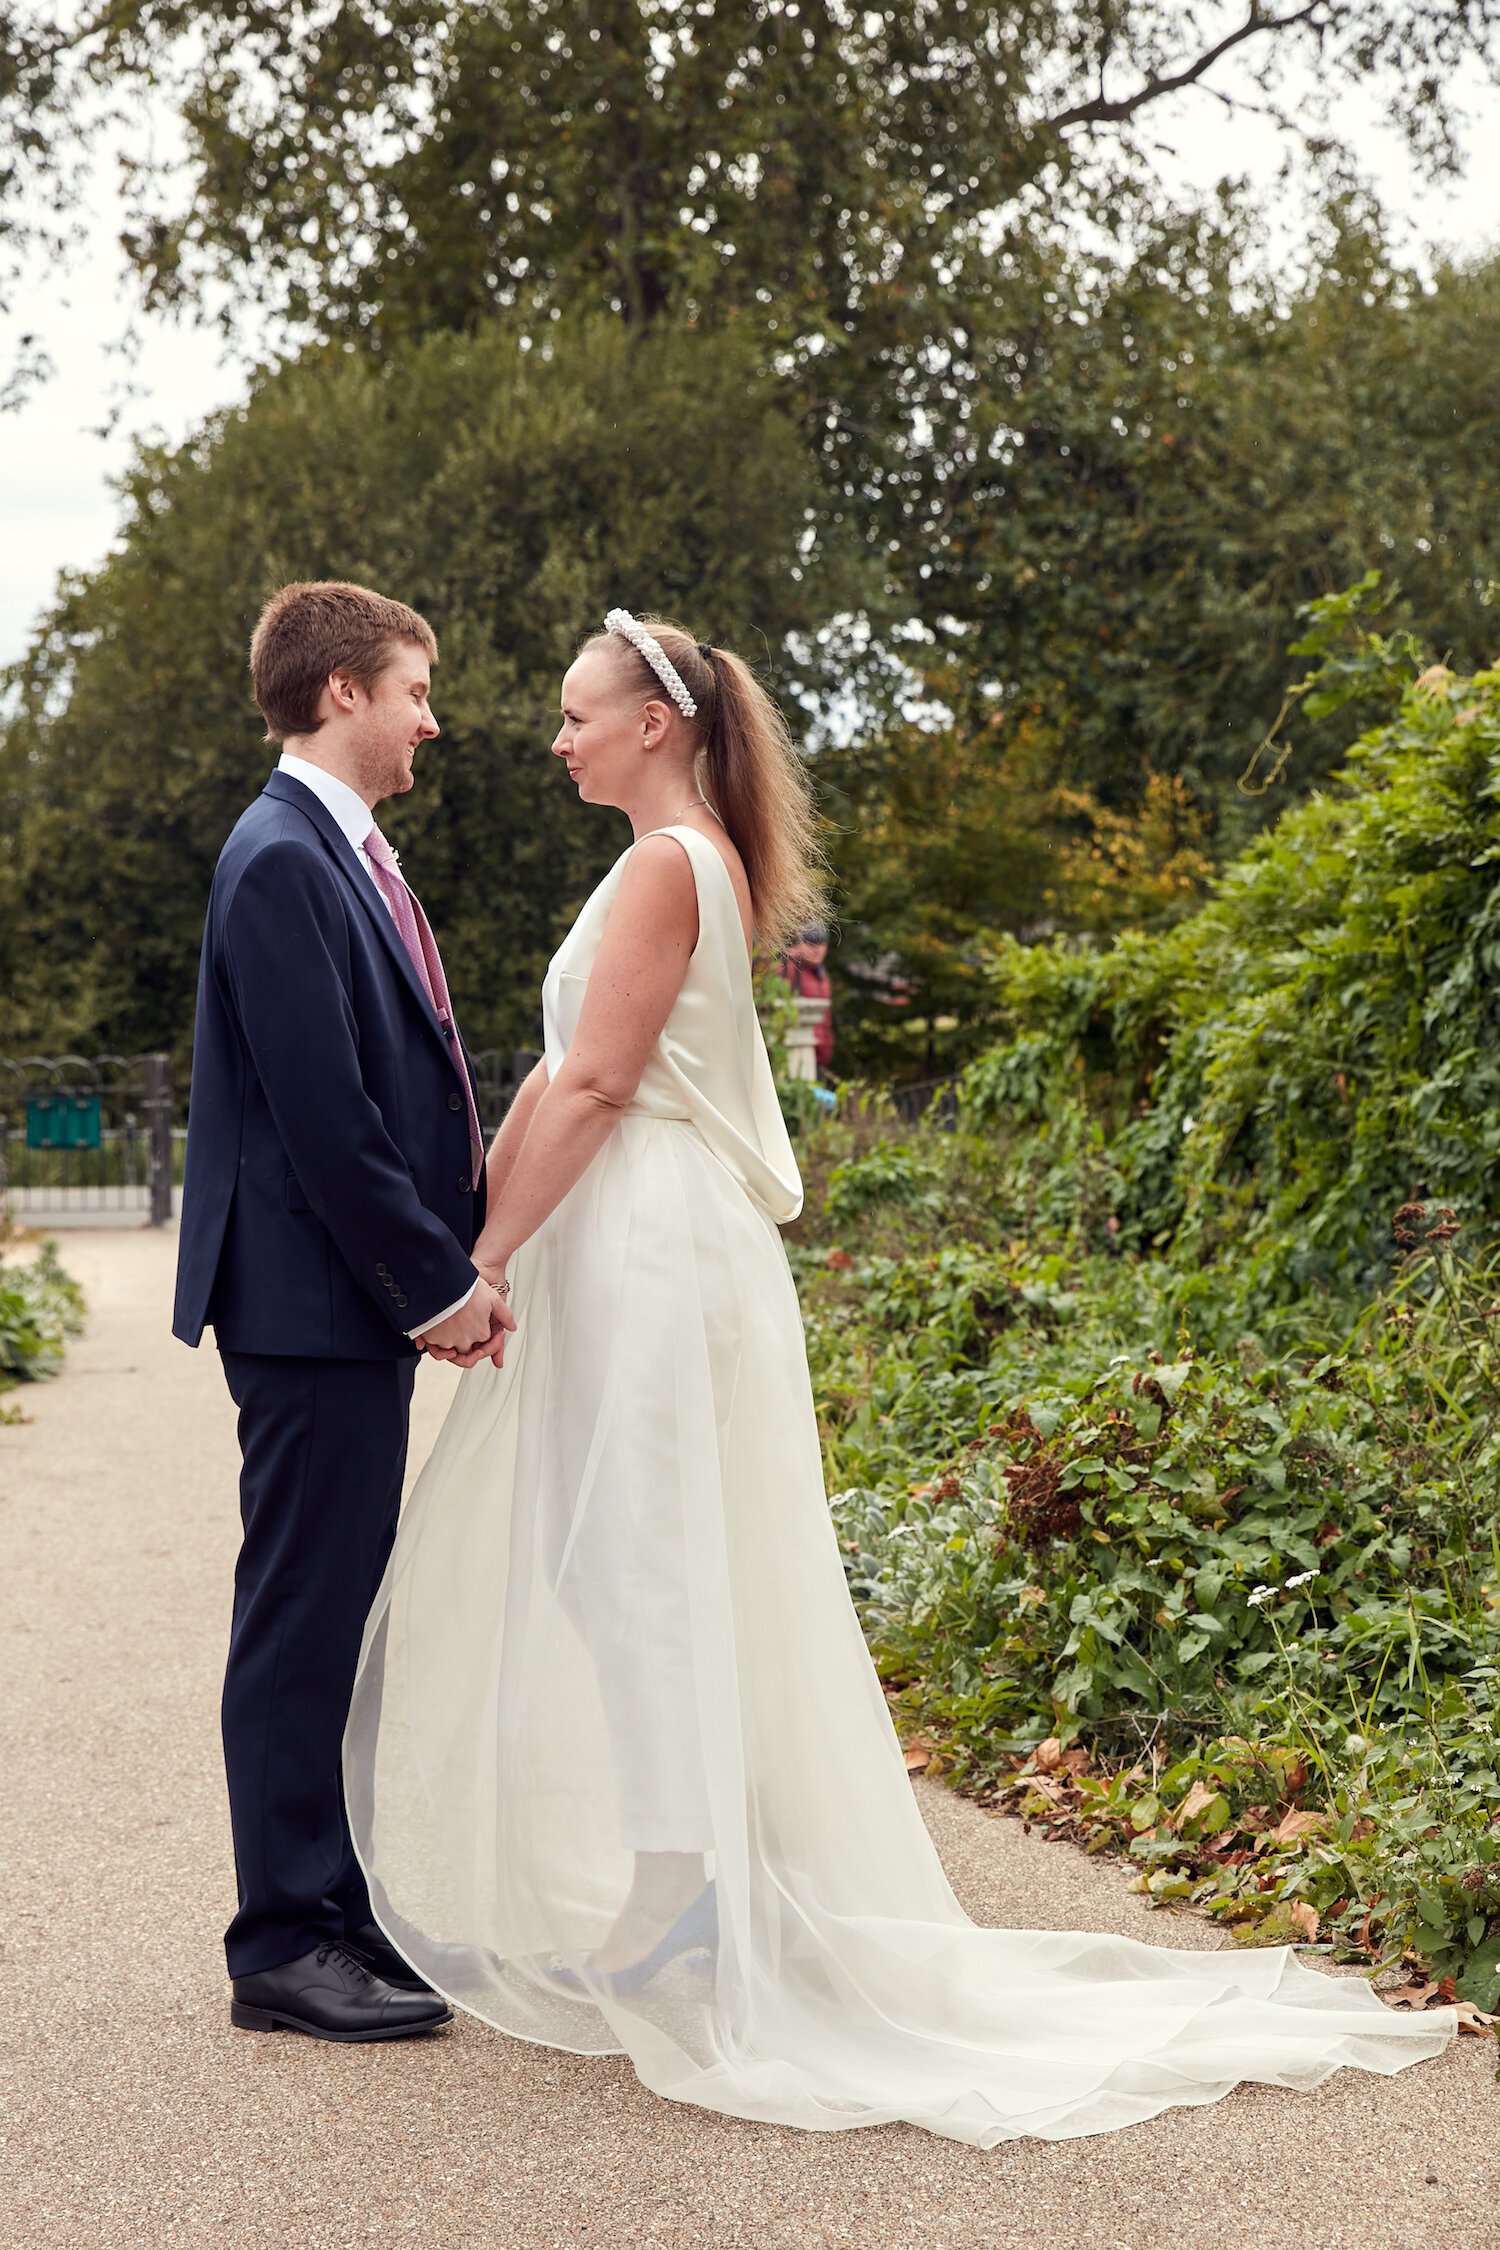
(753, 775)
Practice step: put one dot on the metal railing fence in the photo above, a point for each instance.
(83, 1133)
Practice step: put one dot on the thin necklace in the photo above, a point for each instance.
(703, 801)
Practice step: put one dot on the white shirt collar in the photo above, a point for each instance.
(346, 805)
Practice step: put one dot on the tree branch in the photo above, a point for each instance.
(1102, 111)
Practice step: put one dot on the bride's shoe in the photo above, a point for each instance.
(695, 1931)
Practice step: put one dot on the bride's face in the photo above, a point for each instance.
(604, 732)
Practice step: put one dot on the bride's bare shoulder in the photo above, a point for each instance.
(659, 875)
(657, 889)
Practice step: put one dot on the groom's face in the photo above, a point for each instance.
(389, 722)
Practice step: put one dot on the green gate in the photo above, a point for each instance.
(86, 1133)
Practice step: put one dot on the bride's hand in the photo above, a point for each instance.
(490, 1266)
(502, 1321)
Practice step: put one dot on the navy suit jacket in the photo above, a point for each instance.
(327, 1205)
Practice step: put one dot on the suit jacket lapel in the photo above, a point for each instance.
(291, 791)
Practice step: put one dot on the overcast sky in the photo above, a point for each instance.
(56, 502)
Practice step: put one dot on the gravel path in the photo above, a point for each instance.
(131, 2115)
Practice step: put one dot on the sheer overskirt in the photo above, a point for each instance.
(616, 1620)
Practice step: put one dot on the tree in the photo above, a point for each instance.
(1167, 465)
(848, 176)
(1009, 395)
(1166, 471)
(511, 495)
(1120, 466)
(944, 839)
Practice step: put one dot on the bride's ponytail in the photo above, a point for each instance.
(752, 776)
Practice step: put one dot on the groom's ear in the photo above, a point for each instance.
(343, 687)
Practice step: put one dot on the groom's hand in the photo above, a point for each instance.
(476, 1331)
(492, 1348)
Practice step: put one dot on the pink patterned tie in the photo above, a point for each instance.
(416, 935)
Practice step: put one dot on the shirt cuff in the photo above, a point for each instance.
(447, 1312)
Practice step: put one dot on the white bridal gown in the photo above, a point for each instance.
(615, 1620)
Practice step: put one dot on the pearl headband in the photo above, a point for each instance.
(631, 629)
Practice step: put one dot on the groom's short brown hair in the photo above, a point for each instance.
(319, 626)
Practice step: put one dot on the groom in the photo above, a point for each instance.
(334, 1188)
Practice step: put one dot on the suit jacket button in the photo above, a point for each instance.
(399, 1298)
(455, 1103)
(382, 1271)
(465, 1184)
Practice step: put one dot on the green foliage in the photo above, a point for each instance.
(1165, 461)
(1280, 1071)
(1242, 1585)
(777, 1010)
(885, 194)
(1161, 1396)
(505, 493)
(706, 330)
(893, 1173)
(1177, 455)
(40, 1306)
(1161, 1495)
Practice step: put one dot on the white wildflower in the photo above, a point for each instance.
(1302, 1578)
(1261, 1594)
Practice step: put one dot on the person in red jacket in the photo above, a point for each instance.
(806, 972)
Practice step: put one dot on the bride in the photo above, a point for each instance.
(619, 1769)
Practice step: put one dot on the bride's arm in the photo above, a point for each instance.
(637, 974)
(514, 1126)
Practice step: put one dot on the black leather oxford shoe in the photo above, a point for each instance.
(330, 1994)
(370, 1945)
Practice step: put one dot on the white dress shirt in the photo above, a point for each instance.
(356, 820)
(346, 805)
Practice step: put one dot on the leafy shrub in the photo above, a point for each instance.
(39, 1307)
(1057, 1530)
(892, 1173)
(1161, 1399)
(1322, 1040)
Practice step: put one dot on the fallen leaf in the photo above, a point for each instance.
(1048, 1754)
(919, 1755)
(840, 1260)
(1411, 1996)
(1474, 2020)
(1202, 1793)
(1294, 1824)
(1305, 1916)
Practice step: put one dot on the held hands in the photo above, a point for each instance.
(476, 1331)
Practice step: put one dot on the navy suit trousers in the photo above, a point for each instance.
(324, 1450)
